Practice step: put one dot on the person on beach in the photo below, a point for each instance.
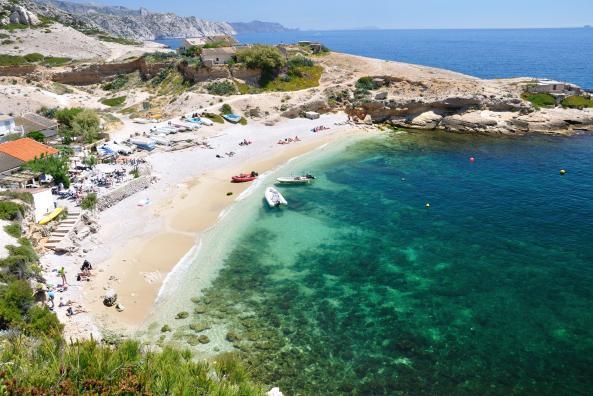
(86, 266)
(50, 297)
(62, 273)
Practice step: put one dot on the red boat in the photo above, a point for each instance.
(244, 177)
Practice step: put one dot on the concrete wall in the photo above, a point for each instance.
(132, 187)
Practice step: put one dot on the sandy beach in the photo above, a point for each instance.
(137, 246)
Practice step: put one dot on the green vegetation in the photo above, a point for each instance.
(118, 40)
(35, 135)
(86, 125)
(89, 202)
(14, 26)
(222, 88)
(54, 367)
(14, 229)
(214, 117)
(266, 58)
(216, 44)
(11, 211)
(19, 195)
(32, 59)
(192, 51)
(296, 79)
(65, 116)
(300, 61)
(539, 100)
(49, 112)
(114, 102)
(54, 165)
(577, 102)
(158, 57)
(243, 121)
(118, 83)
(366, 84)
(4, 36)
(170, 82)
(226, 109)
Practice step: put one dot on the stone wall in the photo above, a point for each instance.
(248, 75)
(17, 71)
(121, 193)
(216, 72)
(99, 73)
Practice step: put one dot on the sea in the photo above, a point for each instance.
(417, 263)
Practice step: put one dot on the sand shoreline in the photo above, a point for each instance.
(137, 248)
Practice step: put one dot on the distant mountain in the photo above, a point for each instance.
(139, 24)
(258, 27)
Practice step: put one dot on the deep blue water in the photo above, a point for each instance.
(562, 54)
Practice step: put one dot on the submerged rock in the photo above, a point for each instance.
(203, 339)
(231, 336)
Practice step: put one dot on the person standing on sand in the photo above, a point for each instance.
(62, 273)
(51, 296)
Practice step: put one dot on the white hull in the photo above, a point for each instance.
(274, 198)
(294, 180)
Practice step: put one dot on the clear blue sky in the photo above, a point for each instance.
(397, 14)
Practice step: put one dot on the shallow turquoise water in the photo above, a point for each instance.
(357, 288)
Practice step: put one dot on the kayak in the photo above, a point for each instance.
(51, 216)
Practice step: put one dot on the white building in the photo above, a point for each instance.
(554, 87)
(8, 127)
(43, 202)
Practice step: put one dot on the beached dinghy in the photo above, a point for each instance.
(232, 118)
(306, 179)
(274, 198)
(244, 177)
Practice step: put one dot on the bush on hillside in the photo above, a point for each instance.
(56, 166)
(89, 202)
(222, 88)
(11, 211)
(366, 83)
(86, 124)
(539, 100)
(262, 57)
(226, 109)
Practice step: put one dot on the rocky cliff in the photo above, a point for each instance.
(138, 24)
(258, 27)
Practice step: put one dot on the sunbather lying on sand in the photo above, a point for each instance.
(70, 311)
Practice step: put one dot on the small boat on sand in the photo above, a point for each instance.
(305, 179)
(46, 219)
(274, 198)
(244, 177)
(232, 118)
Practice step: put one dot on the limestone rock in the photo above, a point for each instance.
(368, 119)
(274, 392)
(381, 95)
(20, 14)
(426, 120)
(110, 298)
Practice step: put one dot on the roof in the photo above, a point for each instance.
(32, 122)
(219, 51)
(26, 149)
(8, 162)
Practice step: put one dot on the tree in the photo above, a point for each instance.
(226, 109)
(261, 57)
(86, 124)
(66, 116)
(15, 301)
(36, 135)
(56, 166)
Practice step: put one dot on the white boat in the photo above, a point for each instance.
(161, 139)
(206, 121)
(274, 198)
(143, 143)
(305, 179)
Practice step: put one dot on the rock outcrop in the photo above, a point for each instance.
(138, 24)
(17, 14)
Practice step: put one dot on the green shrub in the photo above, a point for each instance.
(56, 166)
(14, 230)
(222, 88)
(52, 367)
(226, 109)
(36, 135)
(42, 322)
(214, 117)
(34, 57)
(366, 83)
(6, 42)
(89, 202)
(23, 196)
(11, 211)
(113, 102)
(539, 100)
(243, 121)
(262, 57)
(116, 84)
(11, 60)
(53, 61)
(49, 112)
(86, 125)
(192, 51)
(66, 115)
(299, 60)
(118, 40)
(577, 102)
(15, 300)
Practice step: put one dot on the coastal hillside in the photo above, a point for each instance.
(139, 24)
(258, 27)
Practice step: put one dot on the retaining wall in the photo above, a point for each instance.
(121, 193)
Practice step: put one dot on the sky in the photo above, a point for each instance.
(391, 14)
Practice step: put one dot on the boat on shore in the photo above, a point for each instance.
(232, 118)
(143, 143)
(304, 179)
(46, 219)
(274, 198)
(244, 177)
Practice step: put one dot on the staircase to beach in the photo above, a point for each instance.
(62, 230)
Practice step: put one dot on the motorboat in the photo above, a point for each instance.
(143, 143)
(244, 177)
(274, 198)
(232, 118)
(305, 179)
(161, 139)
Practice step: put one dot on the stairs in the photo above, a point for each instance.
(62, 230)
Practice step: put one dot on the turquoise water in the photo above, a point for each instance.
(357, 288)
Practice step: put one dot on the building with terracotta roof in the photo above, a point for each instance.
(26, 149)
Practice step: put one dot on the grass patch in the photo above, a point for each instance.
(118, 40)
(539, 100)
(222, 88)
(298, 78)
(22, 196)
(55, 61)
(11, 60)
(14, 229)
(114, 102)
(14, 26)
(214, 117)
(243, 121)
(577, 102)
